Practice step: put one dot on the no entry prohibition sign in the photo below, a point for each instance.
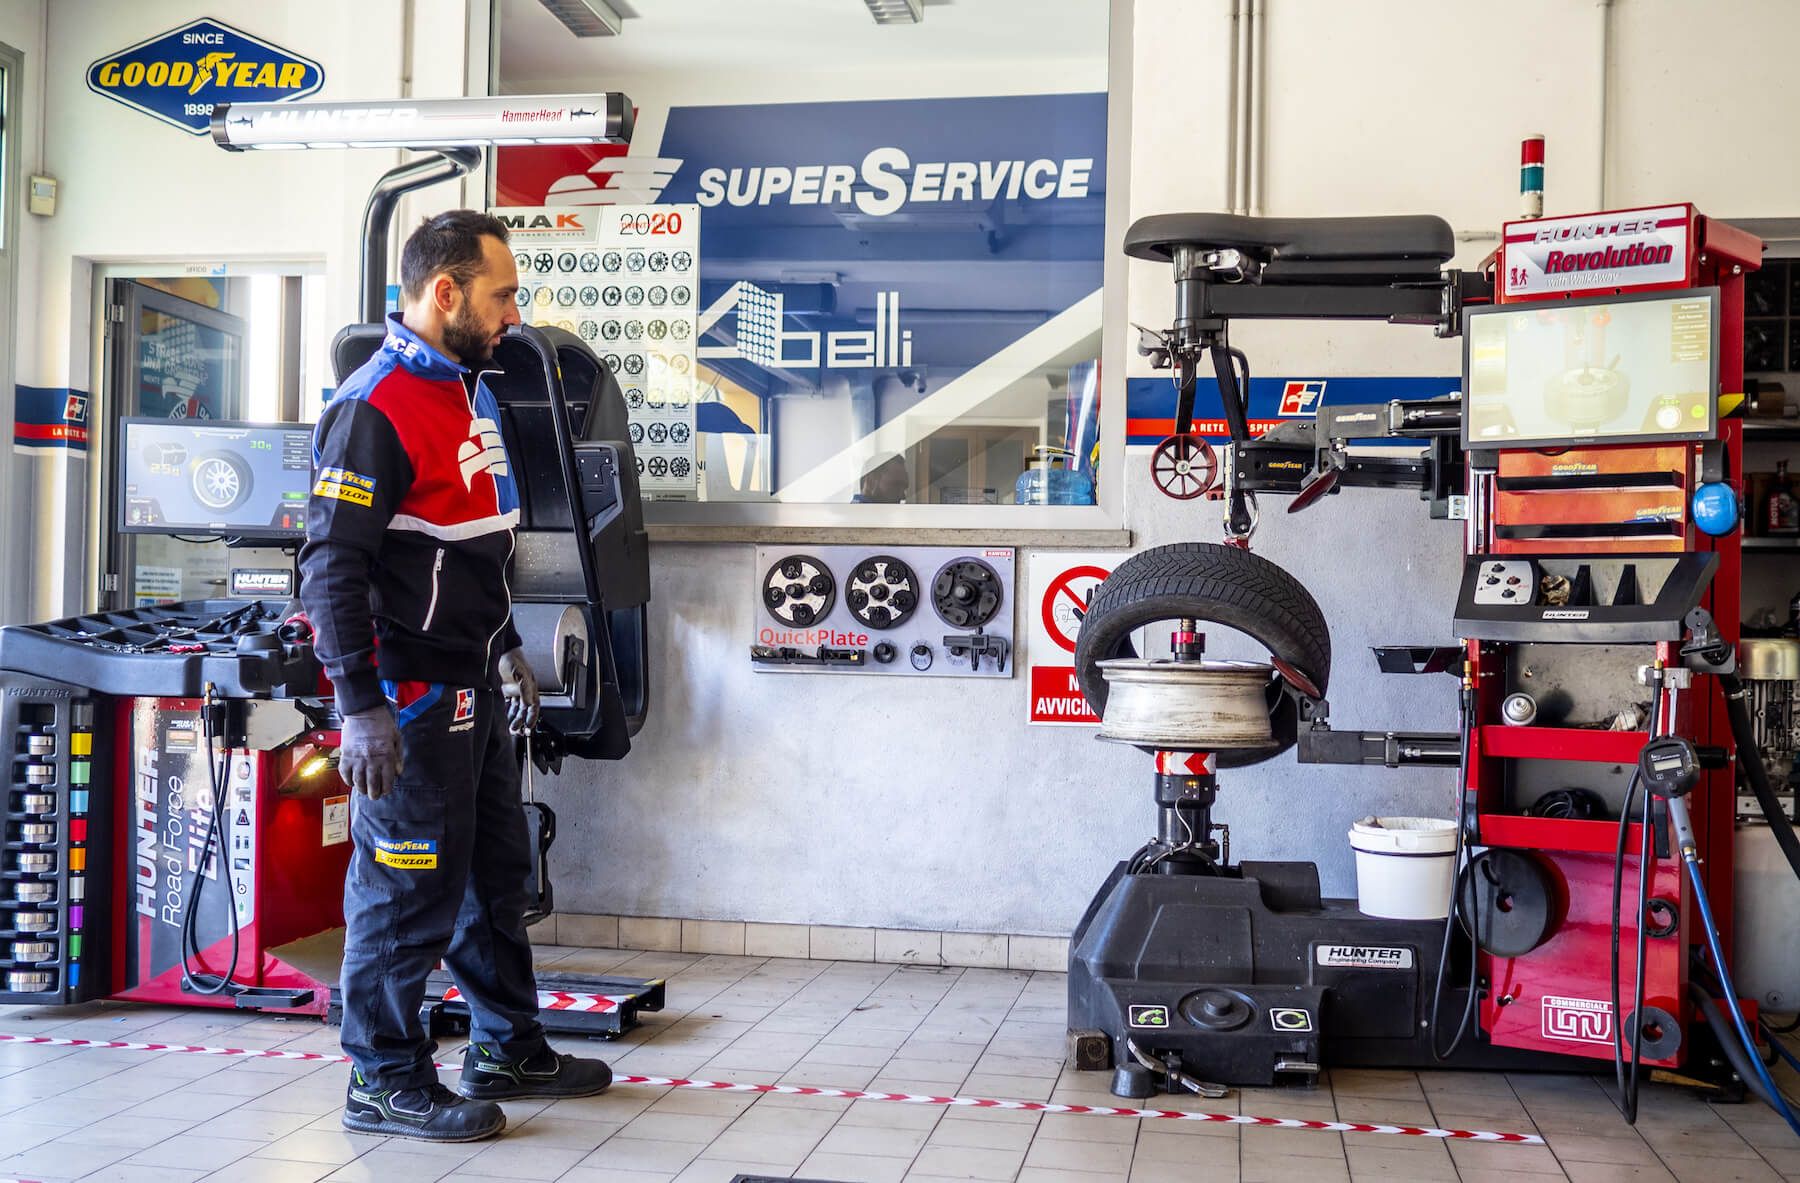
(1063, 584)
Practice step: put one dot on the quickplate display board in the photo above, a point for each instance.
(922, 611)
(625, 279)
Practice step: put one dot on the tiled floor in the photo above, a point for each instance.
(148, 1117)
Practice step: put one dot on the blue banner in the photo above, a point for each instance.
(1150, 402)
(50, 417)
(917, 235)
(180, 76)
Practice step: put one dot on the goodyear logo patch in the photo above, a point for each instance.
(413, 854)
(180, 76)
(345, 485)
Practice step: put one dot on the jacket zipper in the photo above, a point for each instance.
(512, 541)
(431, 608)
(506, 582)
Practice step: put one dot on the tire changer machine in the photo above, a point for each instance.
(175, 828)
(1602, 722)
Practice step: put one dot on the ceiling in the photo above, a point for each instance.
(707, 37)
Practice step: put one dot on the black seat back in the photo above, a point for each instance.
(1354, 251)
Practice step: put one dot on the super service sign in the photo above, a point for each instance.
(180, 76)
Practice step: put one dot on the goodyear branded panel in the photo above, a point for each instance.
(180, 76)
(1150, 402)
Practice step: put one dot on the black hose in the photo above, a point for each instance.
(1463, 872)
(194, 980)
(1628, 1088)
(1785, 1028)
(1728, 1043)
(1645, 829)
(1750, 760)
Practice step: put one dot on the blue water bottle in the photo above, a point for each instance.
(1051, 480)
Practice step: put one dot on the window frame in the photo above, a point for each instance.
(1102, 524)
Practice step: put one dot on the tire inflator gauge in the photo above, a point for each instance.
(1670, 767)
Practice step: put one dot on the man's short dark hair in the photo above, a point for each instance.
(448, 242)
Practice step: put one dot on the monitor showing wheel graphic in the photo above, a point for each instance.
(221, 481)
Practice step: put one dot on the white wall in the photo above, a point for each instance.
(135, 189)
(22, 29)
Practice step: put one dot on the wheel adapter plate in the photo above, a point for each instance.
(1203, 706)
(882, 592)
(967, 593)
(798, 590)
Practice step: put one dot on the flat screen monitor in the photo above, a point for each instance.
(240, 480)
(1621, 369)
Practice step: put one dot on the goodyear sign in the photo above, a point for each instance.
(180, 76)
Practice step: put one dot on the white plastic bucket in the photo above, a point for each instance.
(1404, 866)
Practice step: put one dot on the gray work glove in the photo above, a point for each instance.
(369, 751)
(520, 687)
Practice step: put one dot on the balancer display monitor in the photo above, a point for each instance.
(240, 480)
(1622, 369)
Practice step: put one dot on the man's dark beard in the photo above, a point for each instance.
(466, 339)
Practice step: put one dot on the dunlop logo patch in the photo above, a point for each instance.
(413, 854)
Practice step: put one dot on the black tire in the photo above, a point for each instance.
(1208, 581)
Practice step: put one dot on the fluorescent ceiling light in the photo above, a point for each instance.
(586, 18)
(426, 123)
(889, 12)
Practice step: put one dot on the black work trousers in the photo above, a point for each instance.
(441, 872)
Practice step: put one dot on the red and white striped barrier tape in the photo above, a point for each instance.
(563, 1001)
(799, 1090)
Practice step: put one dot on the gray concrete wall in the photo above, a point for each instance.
(931, 804)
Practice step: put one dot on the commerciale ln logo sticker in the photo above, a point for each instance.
(180, 76)
(1579, 1020)
(1151, 1017)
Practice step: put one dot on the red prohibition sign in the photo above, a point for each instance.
(1062, 591)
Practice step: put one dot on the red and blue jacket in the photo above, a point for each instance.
(409, 530)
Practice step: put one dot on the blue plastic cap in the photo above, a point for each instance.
(1715, 509)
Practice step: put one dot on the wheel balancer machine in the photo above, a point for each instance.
(175, 830)
(1598, 614)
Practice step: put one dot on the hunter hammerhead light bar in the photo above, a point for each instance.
(425, 123)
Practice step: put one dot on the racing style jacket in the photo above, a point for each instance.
(409, 530)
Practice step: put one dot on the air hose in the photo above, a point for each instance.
(1463, 871)
(194, 980)
(1750, 760)
(1628, 1085)
(1757, 1077)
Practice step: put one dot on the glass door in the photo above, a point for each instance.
(176, 358)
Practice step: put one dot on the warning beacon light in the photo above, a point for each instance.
(426, 123)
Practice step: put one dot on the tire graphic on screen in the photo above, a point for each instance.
(221, 481)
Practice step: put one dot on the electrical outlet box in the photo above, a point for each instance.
(42, 196)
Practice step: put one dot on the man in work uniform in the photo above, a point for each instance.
(409, 537)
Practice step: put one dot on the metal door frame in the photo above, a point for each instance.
(124, 302)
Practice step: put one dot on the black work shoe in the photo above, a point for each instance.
(431, 1114)
(487, 1077)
